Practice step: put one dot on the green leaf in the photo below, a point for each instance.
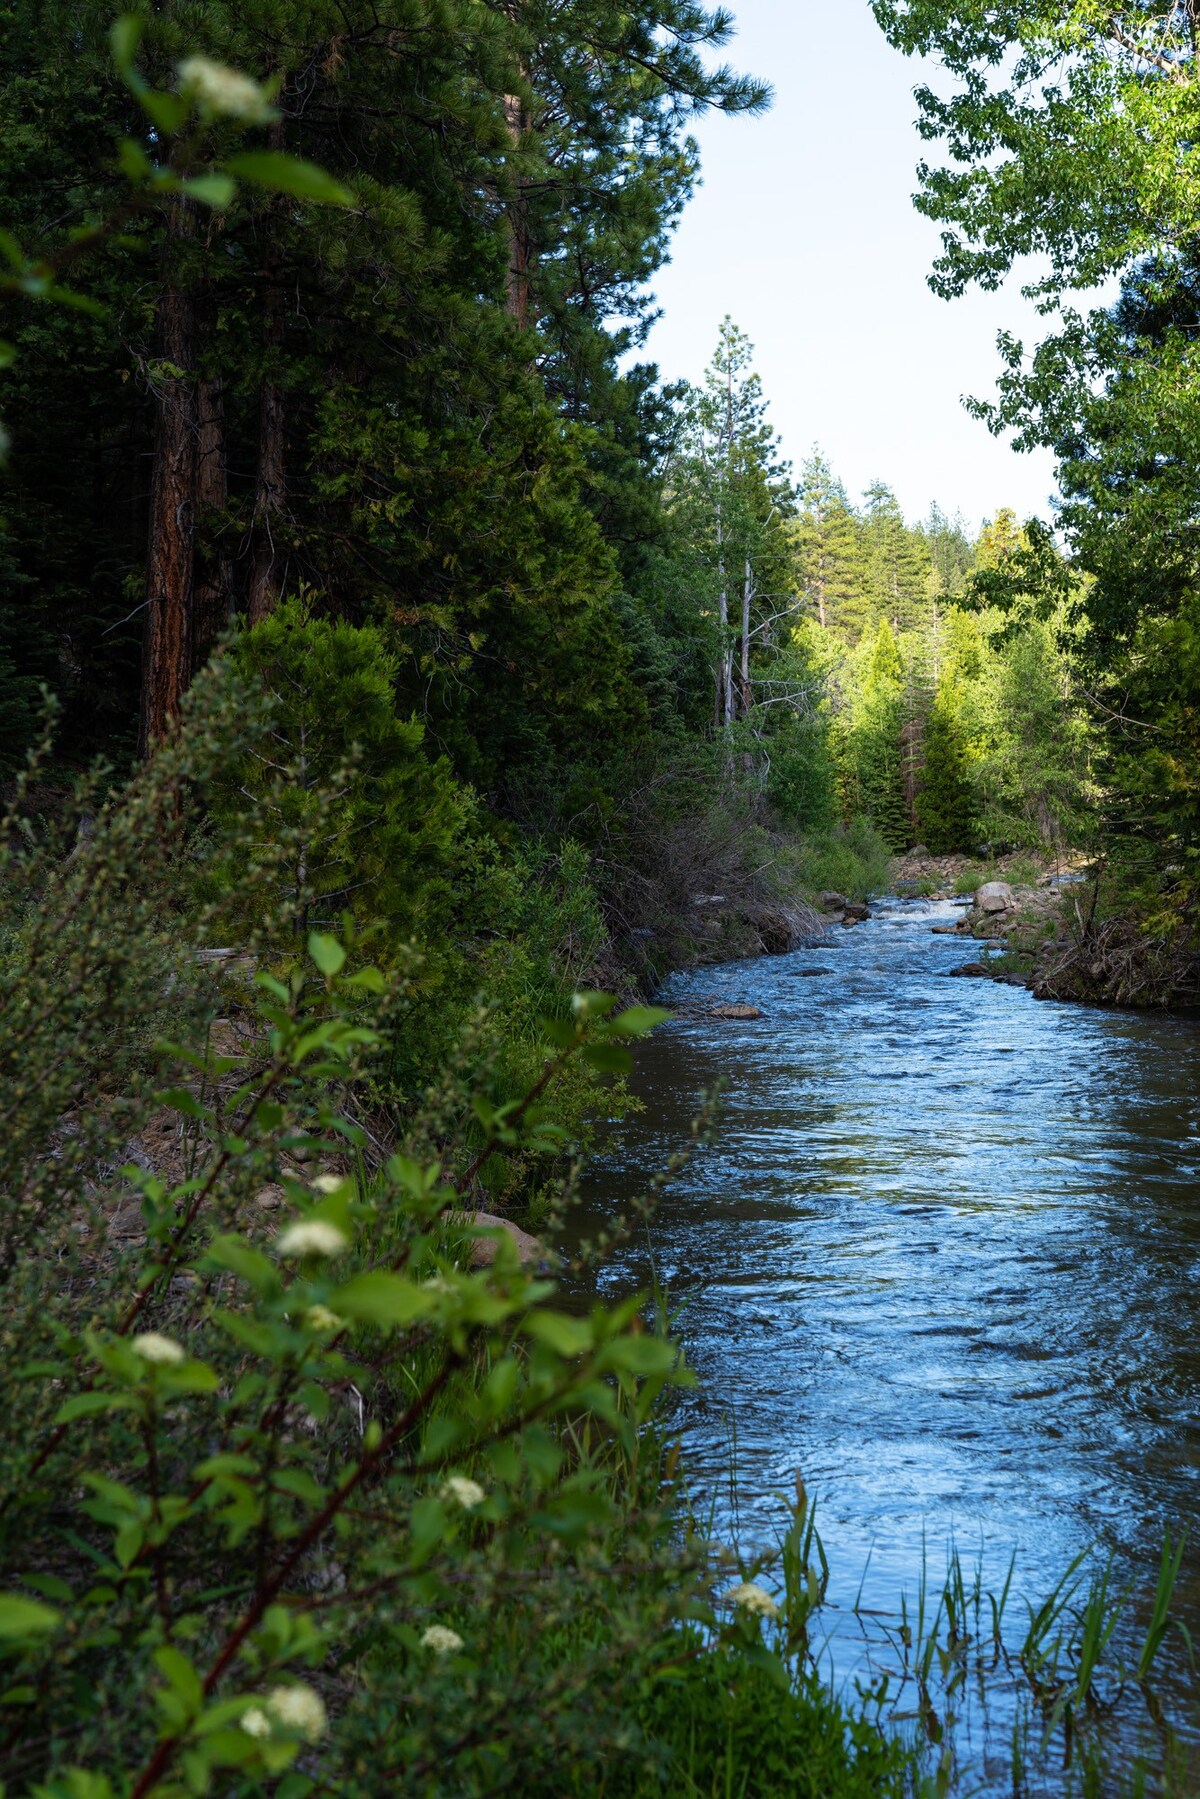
(593, 1005)
(86, 1405)
(182, 1677)
(326, 952)
(250, 1265)
(8, 354)
(383, 1299)
(124, 38)
(133, 159)
(23, 1618)
(167, 111)
(290, 175)
(179, 1099)
(637, 1021)
(565, 1335)
(216, 191)
(608, 1058)
(641, 1355)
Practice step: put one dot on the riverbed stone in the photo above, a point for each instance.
(736, 1012)
(531, 1250)
(994, 896)
(973, 970)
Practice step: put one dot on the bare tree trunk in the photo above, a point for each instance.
(723, 695)
(268, 566)
(167, 639)
(747, 596)
(213, 605)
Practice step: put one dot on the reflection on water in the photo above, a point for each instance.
(943, 1262)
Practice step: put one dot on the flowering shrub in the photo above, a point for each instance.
(307, 1480)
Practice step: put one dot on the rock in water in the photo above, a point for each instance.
(994, 896)
(978, 969)
(807, 974)
(736, 1012)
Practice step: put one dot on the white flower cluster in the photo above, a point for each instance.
(152, 1346)
(311, 1237)
(750, 1597)
(219, 92)
(441, 1639)
(467, 1493)
(293, 1708)
(320, 1318)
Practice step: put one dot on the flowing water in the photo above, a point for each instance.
(944, 1263)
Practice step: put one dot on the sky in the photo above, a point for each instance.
(804, 231)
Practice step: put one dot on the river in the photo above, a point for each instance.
(943, 1263)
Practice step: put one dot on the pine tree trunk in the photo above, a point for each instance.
(268, 566)
(520, 252)
(214, 574)
(167, 639)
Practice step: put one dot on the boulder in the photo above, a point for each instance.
(833, 902)
(994, 896)
(808, 974)
(736, 1012)
(856, 910)
(947, 930)
(976, 970)
(483, 1249)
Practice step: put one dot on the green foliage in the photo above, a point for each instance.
(853, 860)
(1070, 133)
(387, 842)
(783, 1739)
(945, 810)
(288, 1478)
(872, 772)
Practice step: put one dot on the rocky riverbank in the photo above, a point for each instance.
(1061, 930)
(1026, 909)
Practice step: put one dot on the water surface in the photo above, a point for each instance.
(943, 1262)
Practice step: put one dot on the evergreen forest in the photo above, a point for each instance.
(399, 679)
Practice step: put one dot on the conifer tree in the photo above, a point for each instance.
(831, 568)
(897, 562)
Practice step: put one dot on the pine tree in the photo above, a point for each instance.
(831, 570)
(945, 801)
(868, 742)
(897, 562)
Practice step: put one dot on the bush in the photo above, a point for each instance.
(392, 818)
(855, 861)
(299, 1495)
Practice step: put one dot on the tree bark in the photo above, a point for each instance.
(747, 596)
(520, 252)
(213, 605)
(268, 566)
(167, 639)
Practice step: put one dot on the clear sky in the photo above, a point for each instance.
(804, 231)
